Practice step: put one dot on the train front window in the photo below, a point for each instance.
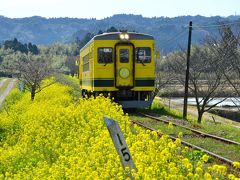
(143, 54)
(105, 55)
(124, 56)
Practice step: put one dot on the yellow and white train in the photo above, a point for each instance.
(120, 64)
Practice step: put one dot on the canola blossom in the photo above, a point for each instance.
(54, 137)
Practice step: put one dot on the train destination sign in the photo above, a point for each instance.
(119, 143)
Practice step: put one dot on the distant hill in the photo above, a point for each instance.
(170, 33)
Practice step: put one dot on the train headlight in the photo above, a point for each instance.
(124, 36)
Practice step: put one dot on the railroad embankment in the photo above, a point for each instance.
(59, 137)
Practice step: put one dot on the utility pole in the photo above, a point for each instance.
(187, 71)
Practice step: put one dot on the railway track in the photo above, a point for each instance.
(222, 159)
(203, 134)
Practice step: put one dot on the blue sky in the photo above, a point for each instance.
(104, 8)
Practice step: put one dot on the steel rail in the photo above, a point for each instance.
(193, 130)
(222, 159)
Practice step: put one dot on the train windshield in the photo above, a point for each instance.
(124, 56)
(105, 55)
(143, 54)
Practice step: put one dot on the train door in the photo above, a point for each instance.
(124, 66)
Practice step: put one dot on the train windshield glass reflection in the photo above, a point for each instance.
(124, 56)
(143, 55)
(105, 55)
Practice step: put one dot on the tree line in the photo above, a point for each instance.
(31, 64)
(214, 65)
(15, 45)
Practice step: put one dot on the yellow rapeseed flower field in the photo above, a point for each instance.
(55, 137)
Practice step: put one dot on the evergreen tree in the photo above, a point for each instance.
(32, 48)
(35, 49)
(15, 45)
(100, 32)
(1, 59)
(85, 39)
(112, 29)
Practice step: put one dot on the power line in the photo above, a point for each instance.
(180, 34)
(216, 25)
(186, 26)
(174, 38)
(196, 26)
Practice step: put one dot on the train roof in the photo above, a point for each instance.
(115, 36)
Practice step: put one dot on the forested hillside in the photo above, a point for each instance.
(170, 33)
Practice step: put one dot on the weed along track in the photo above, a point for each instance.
(221, 148)
(221, 158)
(200, 133)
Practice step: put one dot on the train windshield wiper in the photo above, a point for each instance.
(141, 60)
(106, 63)
(142, 63)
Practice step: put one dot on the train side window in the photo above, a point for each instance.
(86, 63)
(143, 54)
(105, 55)
(124, 56)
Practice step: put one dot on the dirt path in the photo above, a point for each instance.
(7, 90)
(2, 82)
(193, 111)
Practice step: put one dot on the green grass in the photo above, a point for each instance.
(159, 108)
(164, 128)
(218, 129)
(229, 151)
(223, 130)
(72, 82)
